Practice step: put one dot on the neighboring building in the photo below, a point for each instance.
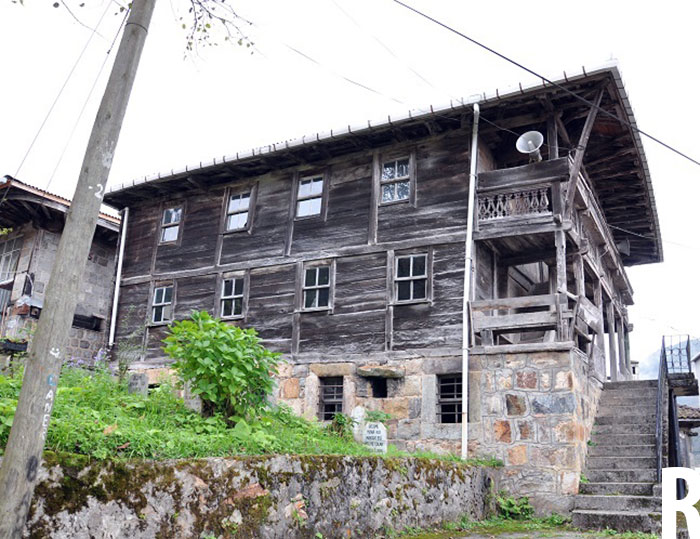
(689, 422)
(346, 251)
(27, 254)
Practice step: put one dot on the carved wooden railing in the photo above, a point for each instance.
(514, 204)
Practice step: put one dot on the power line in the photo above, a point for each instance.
(630, 232)
(566, 90)
(60, 92)
(87, 99)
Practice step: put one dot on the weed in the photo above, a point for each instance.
(514, 509)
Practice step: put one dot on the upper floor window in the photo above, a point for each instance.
(232, 297)
(411, 278)
(238, 212)
(310, 196)
(162, 306)
(317, 287)
(170, 226)
(449, 398)
(396, 181)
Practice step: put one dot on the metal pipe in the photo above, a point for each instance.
(468, 271)
(118, 279)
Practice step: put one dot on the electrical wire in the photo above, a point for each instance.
(87, 99)
(60, 92)
(630, 232)
(557, 85)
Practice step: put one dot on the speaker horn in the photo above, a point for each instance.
(530, 144)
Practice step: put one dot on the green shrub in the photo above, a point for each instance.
(514, 509)
(342, 425)
(377, 416)
(225, 365)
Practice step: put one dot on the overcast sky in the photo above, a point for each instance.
(187, 109)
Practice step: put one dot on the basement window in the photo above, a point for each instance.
(379, 387)
(310, 197)
(395, 181)
(170, 226)
(232, 298)
(411, 281)
(449, 398)
(317, 288)
(237, 212)
(162, 304)
(93, 323)
(331, 397)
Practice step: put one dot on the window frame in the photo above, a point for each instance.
(152, 303)
(245, 277)
(428, 276)
(180, 224)
(323, 383)
(299, 178)
(380, 182)
(302, 288)
(252, 191)
(449, 401)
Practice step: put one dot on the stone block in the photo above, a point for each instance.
(300, 371)
(442, 365)
(549, 359)
(564, 380)
(517, 455)
(570, 482)
(290, 388)
(397, 407)
(504, 379)
(502, 431)
(411, 386)
(516, 405)
(381, 371)
(561, 458)
(565, 431)
(284, 370)
(546, 380)
(414, 407)
(526, 379)
(492, 405)
(408, 429)
(553, 404)
(332, 369)
(487, 383)
(525, 430)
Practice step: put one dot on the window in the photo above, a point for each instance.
(162, 304)
(238, 212)
(411, 278)
(310, 196)
(449, 401)
(93, 323)
(395, 181)
(232, 297)
(9, 255)
(317, 287)
(331, 401)
(170, 227)
(379, 387)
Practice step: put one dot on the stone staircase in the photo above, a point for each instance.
(621, 465)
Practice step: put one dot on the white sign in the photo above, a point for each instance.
(374, 437)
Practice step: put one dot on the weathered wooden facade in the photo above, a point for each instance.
(346, 251)
(35, 219)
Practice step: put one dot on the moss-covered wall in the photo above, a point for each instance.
(261, 497)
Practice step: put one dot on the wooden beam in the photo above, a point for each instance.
(612, 342)
(580, 151)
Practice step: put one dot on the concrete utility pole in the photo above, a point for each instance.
(25, 446)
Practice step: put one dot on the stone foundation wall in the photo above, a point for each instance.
(260, 497)
(537, 410)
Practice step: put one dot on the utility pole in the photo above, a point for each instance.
(23, 454)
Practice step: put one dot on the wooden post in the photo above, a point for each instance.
(624, 366)
(552, 137)
(562, 299)
(612, 342)
(599, 343)
(23, 454)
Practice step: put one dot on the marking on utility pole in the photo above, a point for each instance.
(55, 352)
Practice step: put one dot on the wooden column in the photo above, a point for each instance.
(622, 349)
(562, 300)
(598, 343)
(612, 342)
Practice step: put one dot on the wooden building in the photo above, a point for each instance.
(34, 219)
(346, 251)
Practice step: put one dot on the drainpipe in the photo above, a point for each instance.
(118, 280)
(468, 271)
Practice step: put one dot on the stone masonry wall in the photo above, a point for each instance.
(254, 497)
(537, 411)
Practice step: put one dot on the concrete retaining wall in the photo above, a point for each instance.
(261, 497)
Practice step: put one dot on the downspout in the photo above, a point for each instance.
(468, 270)
(118, 279)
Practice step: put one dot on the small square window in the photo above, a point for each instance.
(317, 287)
(162, 304)
(310, 196)
(449, 398)
(331, 397)
(379, 387)
(411, 278)
(238, 212)
(170, 225)
(232, 298)
(395, 181)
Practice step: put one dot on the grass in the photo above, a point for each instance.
(95, 415)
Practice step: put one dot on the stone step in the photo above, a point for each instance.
(623, 439)
(629, 489)
(627, 428)
(630, 384)
(636, 409)
(621, 463)
(621, 476)
(598, 502)
(622, 395)
(622, 419)
(622, 521)
(622, 451)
